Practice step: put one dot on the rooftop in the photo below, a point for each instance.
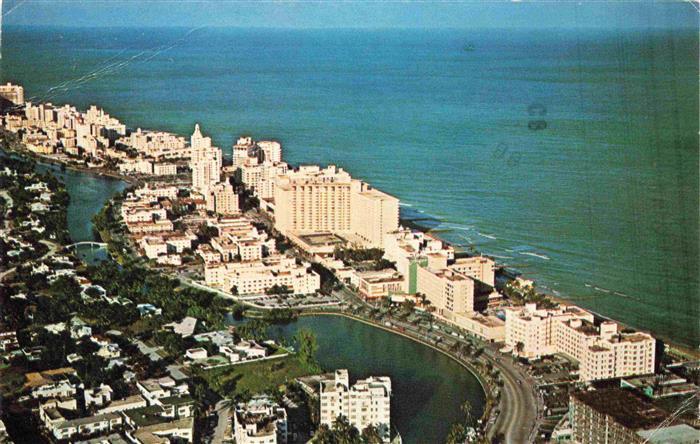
(624, 407)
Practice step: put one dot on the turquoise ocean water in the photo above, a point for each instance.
(571, 156)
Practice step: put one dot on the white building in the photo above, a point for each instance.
(602, 350)
(363, 404)
(260, 421)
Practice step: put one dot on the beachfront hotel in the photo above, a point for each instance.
(314, 200)
(367, 402)
(603, 351)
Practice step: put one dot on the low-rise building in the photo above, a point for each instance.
(374, 285)
(256, 277)
(260, 421)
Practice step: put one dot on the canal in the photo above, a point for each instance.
(428, 387)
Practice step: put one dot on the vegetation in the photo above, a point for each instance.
(527, 295)
(342, 432)
(308, 346)
(241, 380)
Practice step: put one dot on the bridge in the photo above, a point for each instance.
(91, 243)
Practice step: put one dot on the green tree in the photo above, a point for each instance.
(457, 434)
(370, 435)
(308, 346)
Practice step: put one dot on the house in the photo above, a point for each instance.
(98, 396)
(196, 353)
(154, 389)
(122, 405)
(148, 310)
(56, 383)
(79, 329)
(8, 341)
(184, 328)
(261, 420)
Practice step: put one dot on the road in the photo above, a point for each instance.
(518, 405)
(223, 414)
(53, 248)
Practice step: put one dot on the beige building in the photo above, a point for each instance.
(206, 169)
(602, 351)
(378, 284)
(222, 199)
(481, 268)
(372, 214)
(158, 144)
(13, 93)
(260, 176)
(256, 277)
(451, 292)
(310, 199)
(409, 249)
(365, 403)
(260, 421)
(315, 200)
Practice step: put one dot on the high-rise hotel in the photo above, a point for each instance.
(314, 200)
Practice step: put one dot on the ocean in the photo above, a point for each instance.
(569, 155)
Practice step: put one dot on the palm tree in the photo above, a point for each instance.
(466, 409)
(519, 347)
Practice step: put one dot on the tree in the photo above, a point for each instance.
(519, 347)
(466, 409)
(457, 434)
(308, 346)
(370, 435)
(346, 432)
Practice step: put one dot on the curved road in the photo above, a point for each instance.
(518, 405)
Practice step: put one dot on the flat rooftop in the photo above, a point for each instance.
(623, 406)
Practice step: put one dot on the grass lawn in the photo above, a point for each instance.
(255, 377)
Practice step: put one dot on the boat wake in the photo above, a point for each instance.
(537, 255)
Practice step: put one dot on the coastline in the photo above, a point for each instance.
(682, 350)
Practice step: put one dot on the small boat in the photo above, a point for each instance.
(469, 47)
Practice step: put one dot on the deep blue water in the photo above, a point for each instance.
(600, 206)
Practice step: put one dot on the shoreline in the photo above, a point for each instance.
(682, 350)
(486, 387)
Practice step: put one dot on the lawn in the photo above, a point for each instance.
(255, 377)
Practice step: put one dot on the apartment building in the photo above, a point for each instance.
(603, 351)
(222, 199)
(260, 421)
(409, 250)
(152, 194)
(367, 402)
(534, 329)
(372, 214)
(260, 176)
(311, 199)
(205, 162)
